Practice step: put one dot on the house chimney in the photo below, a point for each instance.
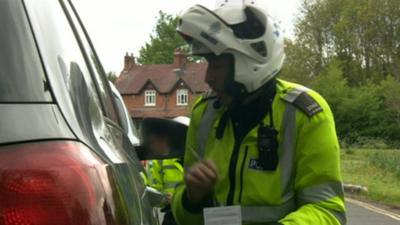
(179, 58)
(129, 62)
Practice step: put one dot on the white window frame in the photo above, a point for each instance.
(182, 97)
(150, 98)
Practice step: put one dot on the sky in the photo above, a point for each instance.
(120, 26)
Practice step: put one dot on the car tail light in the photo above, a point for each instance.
(50, 183)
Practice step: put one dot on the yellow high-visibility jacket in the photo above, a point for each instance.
(164, 175)
(306, 187)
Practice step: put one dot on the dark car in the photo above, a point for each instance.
(64, 155)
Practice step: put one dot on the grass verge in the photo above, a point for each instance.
(378, 170)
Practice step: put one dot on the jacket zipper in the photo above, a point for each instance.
(241, 173)
(232, 172)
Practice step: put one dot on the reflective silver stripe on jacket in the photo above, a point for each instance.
(320, 193)
(171, 185)
(169, 167)
(265, 214)
(205, 127)
(287, 158)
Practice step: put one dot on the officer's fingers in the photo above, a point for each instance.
(193, 181)
(201, 174)
(209, 172)
(189, 170)
(211, 166)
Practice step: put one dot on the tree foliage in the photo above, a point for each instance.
(362, 34)
(163, 42)
(111, 76)
(349, 51)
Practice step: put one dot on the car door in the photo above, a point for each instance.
(84, 98)
(115, 133)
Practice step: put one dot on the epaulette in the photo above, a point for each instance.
(303, 101)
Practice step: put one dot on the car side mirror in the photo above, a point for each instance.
(161, 139)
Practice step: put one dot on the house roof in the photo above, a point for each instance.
(164, 77)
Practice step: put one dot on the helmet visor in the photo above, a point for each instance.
(196, 47)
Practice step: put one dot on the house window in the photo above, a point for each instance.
(182, 97)
(150, 98)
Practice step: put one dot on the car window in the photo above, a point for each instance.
(97, 68)
(62, 52)
(126, 120)
(121, 113)
(22, 78)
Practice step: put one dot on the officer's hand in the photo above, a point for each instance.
(200, 180)
(169, 197)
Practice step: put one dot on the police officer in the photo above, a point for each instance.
(259, 142)
(165, 175)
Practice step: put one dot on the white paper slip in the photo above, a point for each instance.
(227, 215)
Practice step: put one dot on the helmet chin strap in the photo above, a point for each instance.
(236, 90)
(239, 97)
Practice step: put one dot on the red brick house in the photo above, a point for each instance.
(163, 90)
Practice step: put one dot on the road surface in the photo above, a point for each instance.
(359, 213)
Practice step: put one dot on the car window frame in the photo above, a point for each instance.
(65, 5)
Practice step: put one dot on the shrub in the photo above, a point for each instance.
(369, 143)
(387, 160)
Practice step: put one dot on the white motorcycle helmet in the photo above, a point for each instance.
(245, 31)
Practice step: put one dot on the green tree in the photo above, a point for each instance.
(349, 51)
(163, 42)
(332, 76)
(361, 114)
(363, 35)
(111, 76)
(297, 67)
(390, 91)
